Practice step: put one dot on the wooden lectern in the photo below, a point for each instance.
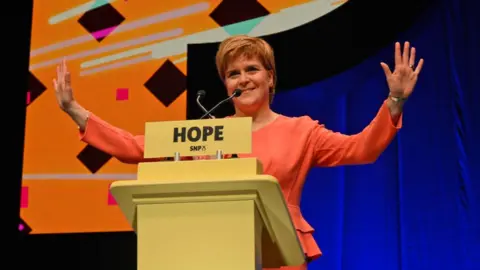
(214, 214)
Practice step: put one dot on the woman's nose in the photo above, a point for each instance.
(243, 79)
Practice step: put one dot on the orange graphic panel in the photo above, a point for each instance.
(128, 65)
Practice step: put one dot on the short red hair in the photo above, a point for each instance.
(245, 46)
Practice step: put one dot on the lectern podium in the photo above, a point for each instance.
(208, 214)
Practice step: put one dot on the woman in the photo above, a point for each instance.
(287, 146)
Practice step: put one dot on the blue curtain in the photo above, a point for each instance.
(418, 206)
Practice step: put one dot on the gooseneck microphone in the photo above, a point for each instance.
(200, 95)
(236, 93)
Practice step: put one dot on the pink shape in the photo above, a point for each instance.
(122, 94)
(24, 198)
(28, 97)
(103, 33)
(21, 227)
(111, 199)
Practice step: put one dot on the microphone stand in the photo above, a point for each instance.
(236, 93)
(200, 95)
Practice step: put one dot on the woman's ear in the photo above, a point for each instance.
(270, 79)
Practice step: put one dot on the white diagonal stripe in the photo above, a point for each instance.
(118, 64)
(111, 47)
(77, 10)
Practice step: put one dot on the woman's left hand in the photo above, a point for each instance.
(403, 79)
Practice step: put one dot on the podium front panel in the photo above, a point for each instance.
(198, 137)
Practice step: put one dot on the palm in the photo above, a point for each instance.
(62, 85)
(402, 80)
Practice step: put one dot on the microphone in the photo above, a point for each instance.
(200, 95)
(236, 93)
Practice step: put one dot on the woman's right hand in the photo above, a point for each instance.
(64, 95)
(63, 88)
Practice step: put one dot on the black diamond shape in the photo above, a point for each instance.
(105, 18)
(167, 83)
(23, 227)
(234, 11)
(35, 87)
(93, 158)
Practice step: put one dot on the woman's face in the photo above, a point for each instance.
(250, 76)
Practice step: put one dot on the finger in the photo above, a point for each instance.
(419, 66)
(55, 85)
(67, 78)
(386, 69)
(411, 62)
(61, 68)
(59, 75)
(65, 65)
(398, 57)
(406, 52)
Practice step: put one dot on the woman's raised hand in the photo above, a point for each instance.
(63, 88)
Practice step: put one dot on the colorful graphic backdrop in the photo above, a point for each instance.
(128, 65)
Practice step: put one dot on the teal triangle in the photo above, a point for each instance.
(242, 28)
(99, 3)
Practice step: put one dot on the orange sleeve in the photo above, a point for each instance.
(335, 149)
(116, 142)
(120, 144)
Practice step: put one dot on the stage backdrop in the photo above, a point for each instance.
(417, 207)
(128, 65)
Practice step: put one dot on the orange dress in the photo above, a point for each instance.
(287, 147)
